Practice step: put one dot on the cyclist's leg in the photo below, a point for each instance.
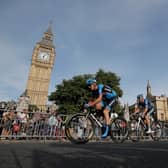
(106, 111)
(151, 113)
(147, 117)
(107, 122)
(99, 106)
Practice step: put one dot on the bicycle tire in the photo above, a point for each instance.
(119, 130)
(157, 128)
(134, 132)
(77, 131)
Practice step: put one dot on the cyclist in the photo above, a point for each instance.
(105, 99)
(148, 109)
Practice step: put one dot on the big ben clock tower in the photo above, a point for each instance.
(40, 71)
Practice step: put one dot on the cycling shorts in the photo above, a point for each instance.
(108, 104)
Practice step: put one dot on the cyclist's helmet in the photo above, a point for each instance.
(90, 81)
(139, 96)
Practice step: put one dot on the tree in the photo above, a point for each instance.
(111, 79)
(70, 94)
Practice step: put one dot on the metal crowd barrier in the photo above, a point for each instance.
(37, 125)
(43, 126)
(164, 129)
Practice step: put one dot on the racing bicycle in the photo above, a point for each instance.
(138, 127)
(80, 127)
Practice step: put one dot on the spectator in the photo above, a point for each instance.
(7, 124)
(16, 127)
(1, 114)
(23, 118)
(60, 128)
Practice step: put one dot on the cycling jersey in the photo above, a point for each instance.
(106, 91)
(146, 104)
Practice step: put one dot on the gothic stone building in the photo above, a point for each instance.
(161, 104)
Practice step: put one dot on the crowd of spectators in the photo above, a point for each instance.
(24, 124)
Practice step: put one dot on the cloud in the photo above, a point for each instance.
(128, 37)
(105, 16)
(12, 69)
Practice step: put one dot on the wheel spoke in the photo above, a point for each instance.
(134, 131)
(80, 129)
(157, 130)
(119, 130)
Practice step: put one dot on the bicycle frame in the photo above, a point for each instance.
(96, 120)
(140, 121)
(89, 113)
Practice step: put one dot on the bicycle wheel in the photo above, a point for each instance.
(79, 129)
(157, 130)
(135, 131)
(119, 130)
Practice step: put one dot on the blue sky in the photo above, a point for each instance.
(128, 37)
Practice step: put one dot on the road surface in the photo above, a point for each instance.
(91, 155)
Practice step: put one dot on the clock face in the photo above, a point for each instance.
(44, 56)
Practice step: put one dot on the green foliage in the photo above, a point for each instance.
(70, 94)
(111, 79)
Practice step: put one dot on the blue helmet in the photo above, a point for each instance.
(139, 96)
(90, 81)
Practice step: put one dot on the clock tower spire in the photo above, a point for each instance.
(47, 38)
(40, 70)
(149, 92)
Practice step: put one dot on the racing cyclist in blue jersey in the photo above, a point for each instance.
(105, 99)
(148, 109)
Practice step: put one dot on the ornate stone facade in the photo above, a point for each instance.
(161, 104)
(161, 107)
